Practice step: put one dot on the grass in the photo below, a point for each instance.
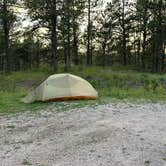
(111, 82)
(11, 103)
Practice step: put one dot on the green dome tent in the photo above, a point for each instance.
(61, 87)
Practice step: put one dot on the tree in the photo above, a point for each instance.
(91, 8)
(161, 34)
(71, 15)
(45, 15)
(89, 56)
(157, 24)
(143, 15)
(105, 32)
(122, 12)
(77, 13)
(121, 31)
(8, 17)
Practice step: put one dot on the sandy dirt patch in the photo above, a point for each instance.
(116, 134)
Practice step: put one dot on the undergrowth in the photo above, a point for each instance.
(111, 83)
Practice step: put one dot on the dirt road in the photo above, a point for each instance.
(116, 134)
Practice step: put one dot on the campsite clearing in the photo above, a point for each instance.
(113, 134)
(111, 83)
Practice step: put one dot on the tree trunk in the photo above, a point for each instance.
(75, 41)
(124, 35)
(154, 50)
(89, 58)
(104, 44)
(161, 35)
(68, 36)
(156, 58)
(91, 45)
(145, 19)
(7, 65)
(64, 51)
(75, 47)
(37, 54)
(54, 36)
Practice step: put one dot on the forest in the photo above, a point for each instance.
(83, 82)
(35, 33)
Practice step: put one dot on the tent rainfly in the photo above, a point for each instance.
(61, 87)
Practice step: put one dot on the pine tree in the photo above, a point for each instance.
(7, 18)
(45, 13)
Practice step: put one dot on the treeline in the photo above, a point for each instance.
(75, 32)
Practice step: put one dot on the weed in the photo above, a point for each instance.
(26, 162)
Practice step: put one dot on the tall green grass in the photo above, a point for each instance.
(110, 82)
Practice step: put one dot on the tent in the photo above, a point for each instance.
(61, 87)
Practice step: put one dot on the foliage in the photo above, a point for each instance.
(72, 32)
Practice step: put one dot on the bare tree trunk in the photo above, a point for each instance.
(104, 45)
(161, 36)
(163, 60)
(153, 52)
(91, 45)
(124, 35)
(135, 51)
(156, 58)
(65, 51)
(75, 39)
(37, 54)
(89, 58)
(54, 36)
(145, 19)
(75, 46)
(68, 35)
(7, 65)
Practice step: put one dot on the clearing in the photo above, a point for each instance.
(114, 134)
(114, 82)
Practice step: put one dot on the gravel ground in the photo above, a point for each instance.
(115, 134)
